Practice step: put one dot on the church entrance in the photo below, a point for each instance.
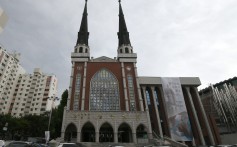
(141, 134)
(106, 133)
(124, 133)
(88, 133)
(71, 133)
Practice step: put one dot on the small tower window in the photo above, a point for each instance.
(86, 50)
(80, 50)
(121, 50)
(126, 50)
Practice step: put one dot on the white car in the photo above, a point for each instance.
(2, 143)
(68, 145)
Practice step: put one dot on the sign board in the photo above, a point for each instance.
(179, 124)
(4, 128)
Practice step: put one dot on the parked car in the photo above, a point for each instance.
(18, 144)
(2, 143)
(38, 145)
(68, 145)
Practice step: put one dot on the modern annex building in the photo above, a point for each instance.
(220, 104)
(108, 102)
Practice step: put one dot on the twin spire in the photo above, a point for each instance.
(123, 34)
(83, 34)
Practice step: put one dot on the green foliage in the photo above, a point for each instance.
(34, 125)
(57, 116)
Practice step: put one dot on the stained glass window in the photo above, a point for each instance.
(131, 93)
(104, 92)
(77, 92)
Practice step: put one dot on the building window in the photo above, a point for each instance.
(80, 50)
(126, 50)
(104, 92)
(131, 93)
(148, 98)
(156, 98)
(77, 92)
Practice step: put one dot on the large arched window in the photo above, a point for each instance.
(104, 92)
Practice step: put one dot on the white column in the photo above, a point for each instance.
(134, 136)
(115, 132)
(78, 136)
(147, 114)
(138, 88)
(97, 135)
(125, 87)
(187, 89)
(204, 116)
(165, 107)
(79, 131)
(84, 88)
(156, 109)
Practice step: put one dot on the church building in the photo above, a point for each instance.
(108, 102)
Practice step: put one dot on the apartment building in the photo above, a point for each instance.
(22, 93)
(10, 70)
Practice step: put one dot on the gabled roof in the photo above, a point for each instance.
(104, 59)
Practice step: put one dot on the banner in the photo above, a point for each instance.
(179, 124)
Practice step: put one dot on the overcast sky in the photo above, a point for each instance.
(172, 38)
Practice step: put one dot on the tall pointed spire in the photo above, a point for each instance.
(83, 33)
(123, 34)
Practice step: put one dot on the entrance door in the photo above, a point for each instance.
(71, 133)
(106, 133)
(142, 134)
(124, 133)
(88, 133)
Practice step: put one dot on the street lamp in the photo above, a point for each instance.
(53, 98)
(5, 130)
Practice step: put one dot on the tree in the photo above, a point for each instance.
(34, 125)
(57, 116)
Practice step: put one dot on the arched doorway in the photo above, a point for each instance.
(141, 133)
(124, 133)
(71, 133)
(88, 133)
(106, 133)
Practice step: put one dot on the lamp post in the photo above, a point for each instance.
(5, 130)
(47, 133)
